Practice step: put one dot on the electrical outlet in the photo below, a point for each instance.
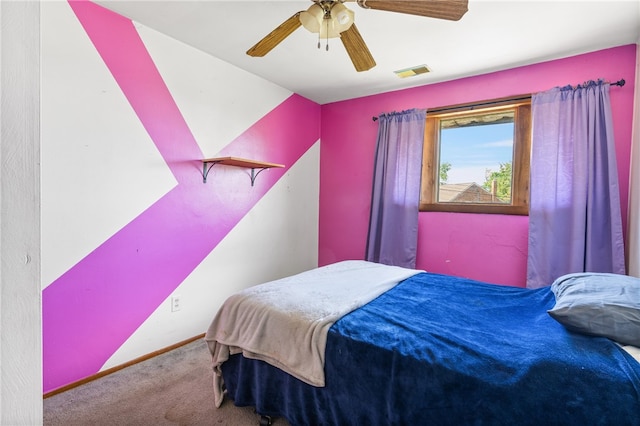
(176, 303)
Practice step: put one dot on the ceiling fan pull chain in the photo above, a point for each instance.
(327, 19)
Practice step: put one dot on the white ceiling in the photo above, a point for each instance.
(493, 35)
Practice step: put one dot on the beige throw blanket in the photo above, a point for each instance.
(285, 322)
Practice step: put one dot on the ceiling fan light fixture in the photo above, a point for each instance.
(330, 23)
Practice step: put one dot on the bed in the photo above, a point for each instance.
(410, 347)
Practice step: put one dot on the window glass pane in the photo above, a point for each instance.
(476, 157)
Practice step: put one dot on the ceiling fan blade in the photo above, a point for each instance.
(274, 38)
(451, 10)
(357, 49)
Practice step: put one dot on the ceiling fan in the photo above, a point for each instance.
(331, 18)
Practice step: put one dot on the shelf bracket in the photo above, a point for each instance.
(255, 174)
(206, 168)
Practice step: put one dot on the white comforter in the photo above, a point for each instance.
(285, 322)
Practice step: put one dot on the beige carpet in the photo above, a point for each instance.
(174, 388)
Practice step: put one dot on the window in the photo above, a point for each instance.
(476, 158)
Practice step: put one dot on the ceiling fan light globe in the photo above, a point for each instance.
(342, 15)
(312, 18)
(331, 28)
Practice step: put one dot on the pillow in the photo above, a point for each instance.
(599, 304)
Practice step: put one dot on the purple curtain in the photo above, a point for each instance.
(575, 223)
(393, 224)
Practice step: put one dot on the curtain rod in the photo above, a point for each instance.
(620, 83)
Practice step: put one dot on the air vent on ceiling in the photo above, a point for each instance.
(413, 71)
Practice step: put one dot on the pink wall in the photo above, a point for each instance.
(491, 248)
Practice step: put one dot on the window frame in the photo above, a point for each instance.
(520, 165)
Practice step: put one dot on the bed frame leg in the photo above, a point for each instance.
(266, 420)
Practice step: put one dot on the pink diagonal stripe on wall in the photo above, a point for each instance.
(91, 310)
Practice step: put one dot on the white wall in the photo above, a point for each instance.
(20, 344)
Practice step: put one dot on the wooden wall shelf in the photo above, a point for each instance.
(208, 163)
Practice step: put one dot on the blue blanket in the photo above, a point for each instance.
(449, 351)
